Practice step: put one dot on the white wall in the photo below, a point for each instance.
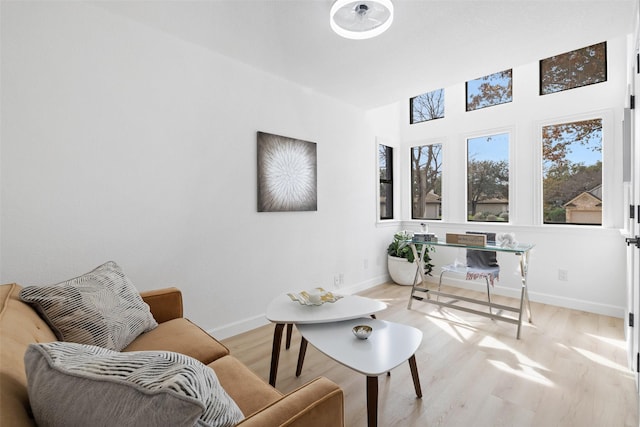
(594, 257)
(123, 143)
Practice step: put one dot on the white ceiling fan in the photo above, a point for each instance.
(361, 19)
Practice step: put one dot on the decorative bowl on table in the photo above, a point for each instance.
(362, 331)
(317, 296)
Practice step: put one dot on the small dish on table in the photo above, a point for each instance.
(362, 331)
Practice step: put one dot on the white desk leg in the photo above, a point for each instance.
(418, 257)
(524, 295)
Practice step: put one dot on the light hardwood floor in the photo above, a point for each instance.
(568, 369)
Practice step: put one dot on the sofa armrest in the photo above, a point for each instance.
(165, 304)
(319, 403)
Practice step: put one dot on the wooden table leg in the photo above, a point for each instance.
(414, 374)
(275, 353)
(372, 401)
(301, 354)
(288, 341)
(373, 316)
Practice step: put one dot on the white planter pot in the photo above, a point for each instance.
(402, 271)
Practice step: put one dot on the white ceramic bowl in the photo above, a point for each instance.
(362, 331)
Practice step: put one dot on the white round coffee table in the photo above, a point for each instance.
(282, 311)
(389, 345)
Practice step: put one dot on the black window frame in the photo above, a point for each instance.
(466, 91)
(540, 69)
(411, 116)
(387, 182)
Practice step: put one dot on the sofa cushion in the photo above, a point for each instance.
(183, 336)
(251, 392)
(100, 308)
(76, 384)
(20, 326)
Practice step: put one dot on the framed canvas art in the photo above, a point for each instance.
(287, 174)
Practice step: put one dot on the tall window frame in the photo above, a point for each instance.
(489, 201)
(426, 181)
(386, 183)
(574, 199)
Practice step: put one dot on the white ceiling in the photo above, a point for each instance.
(431, 44)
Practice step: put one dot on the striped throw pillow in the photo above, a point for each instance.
(100, 308)
(73, 384)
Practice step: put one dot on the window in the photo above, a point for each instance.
(572, 172)
(426, 182)
(428, 106)
(489, 90)
(574, 69)
(385, 164)
(488, 178)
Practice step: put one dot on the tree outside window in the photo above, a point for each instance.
(488, 178)
(385, 164)
(580, 67)
(494, 89)
(572, 172)
(426, 182)
(428, 106)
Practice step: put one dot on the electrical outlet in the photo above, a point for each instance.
(341, 277)
(336, 280)
(563, 275)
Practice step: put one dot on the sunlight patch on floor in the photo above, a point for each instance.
(491, 342)
(604, 361)
(526, 372)
(619, 343)
(460, 333)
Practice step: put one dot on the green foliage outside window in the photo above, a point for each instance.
(488, 178)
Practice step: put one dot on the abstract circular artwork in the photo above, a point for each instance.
(287, 174)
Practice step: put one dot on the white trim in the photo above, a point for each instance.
(510, 130)
(609, 171)
(238, 327)
(250, 323)
(555, 300)
(555, 229)
(420, 143)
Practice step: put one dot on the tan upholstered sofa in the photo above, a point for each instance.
(318, 403)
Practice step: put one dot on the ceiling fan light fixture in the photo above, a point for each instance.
(361, 19)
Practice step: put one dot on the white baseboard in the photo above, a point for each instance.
(359, 287)
(559, 301)
(241, 326)
(245, 325)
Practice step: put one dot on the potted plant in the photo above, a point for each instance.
(400, 260)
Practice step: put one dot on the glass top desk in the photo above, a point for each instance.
(521, 250)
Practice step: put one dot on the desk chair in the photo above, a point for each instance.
(480, 264)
